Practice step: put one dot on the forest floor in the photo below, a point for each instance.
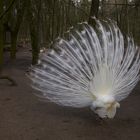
(24, 117)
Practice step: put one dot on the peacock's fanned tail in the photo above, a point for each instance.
(87, 63)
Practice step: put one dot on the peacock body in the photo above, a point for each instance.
(92, 67)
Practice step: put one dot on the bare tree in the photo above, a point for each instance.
(33, 16)
(1, 36)
(94, 9)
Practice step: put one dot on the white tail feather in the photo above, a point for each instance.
(89, 63)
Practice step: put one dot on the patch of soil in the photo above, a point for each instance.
(24, 117)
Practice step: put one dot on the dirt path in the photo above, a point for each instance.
(24, 117)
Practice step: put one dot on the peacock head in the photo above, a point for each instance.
(105, 106)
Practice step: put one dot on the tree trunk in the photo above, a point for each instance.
(34, 23)
(13, 45)
(94, 10)
(15, 30)
(1, 37)
(34, 44)
(1, 46)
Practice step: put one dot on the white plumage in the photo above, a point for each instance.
(92, 67)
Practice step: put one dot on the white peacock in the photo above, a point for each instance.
(93, 67)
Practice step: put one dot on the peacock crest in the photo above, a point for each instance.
(91, 66)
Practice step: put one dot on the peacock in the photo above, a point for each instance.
(92, 66)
